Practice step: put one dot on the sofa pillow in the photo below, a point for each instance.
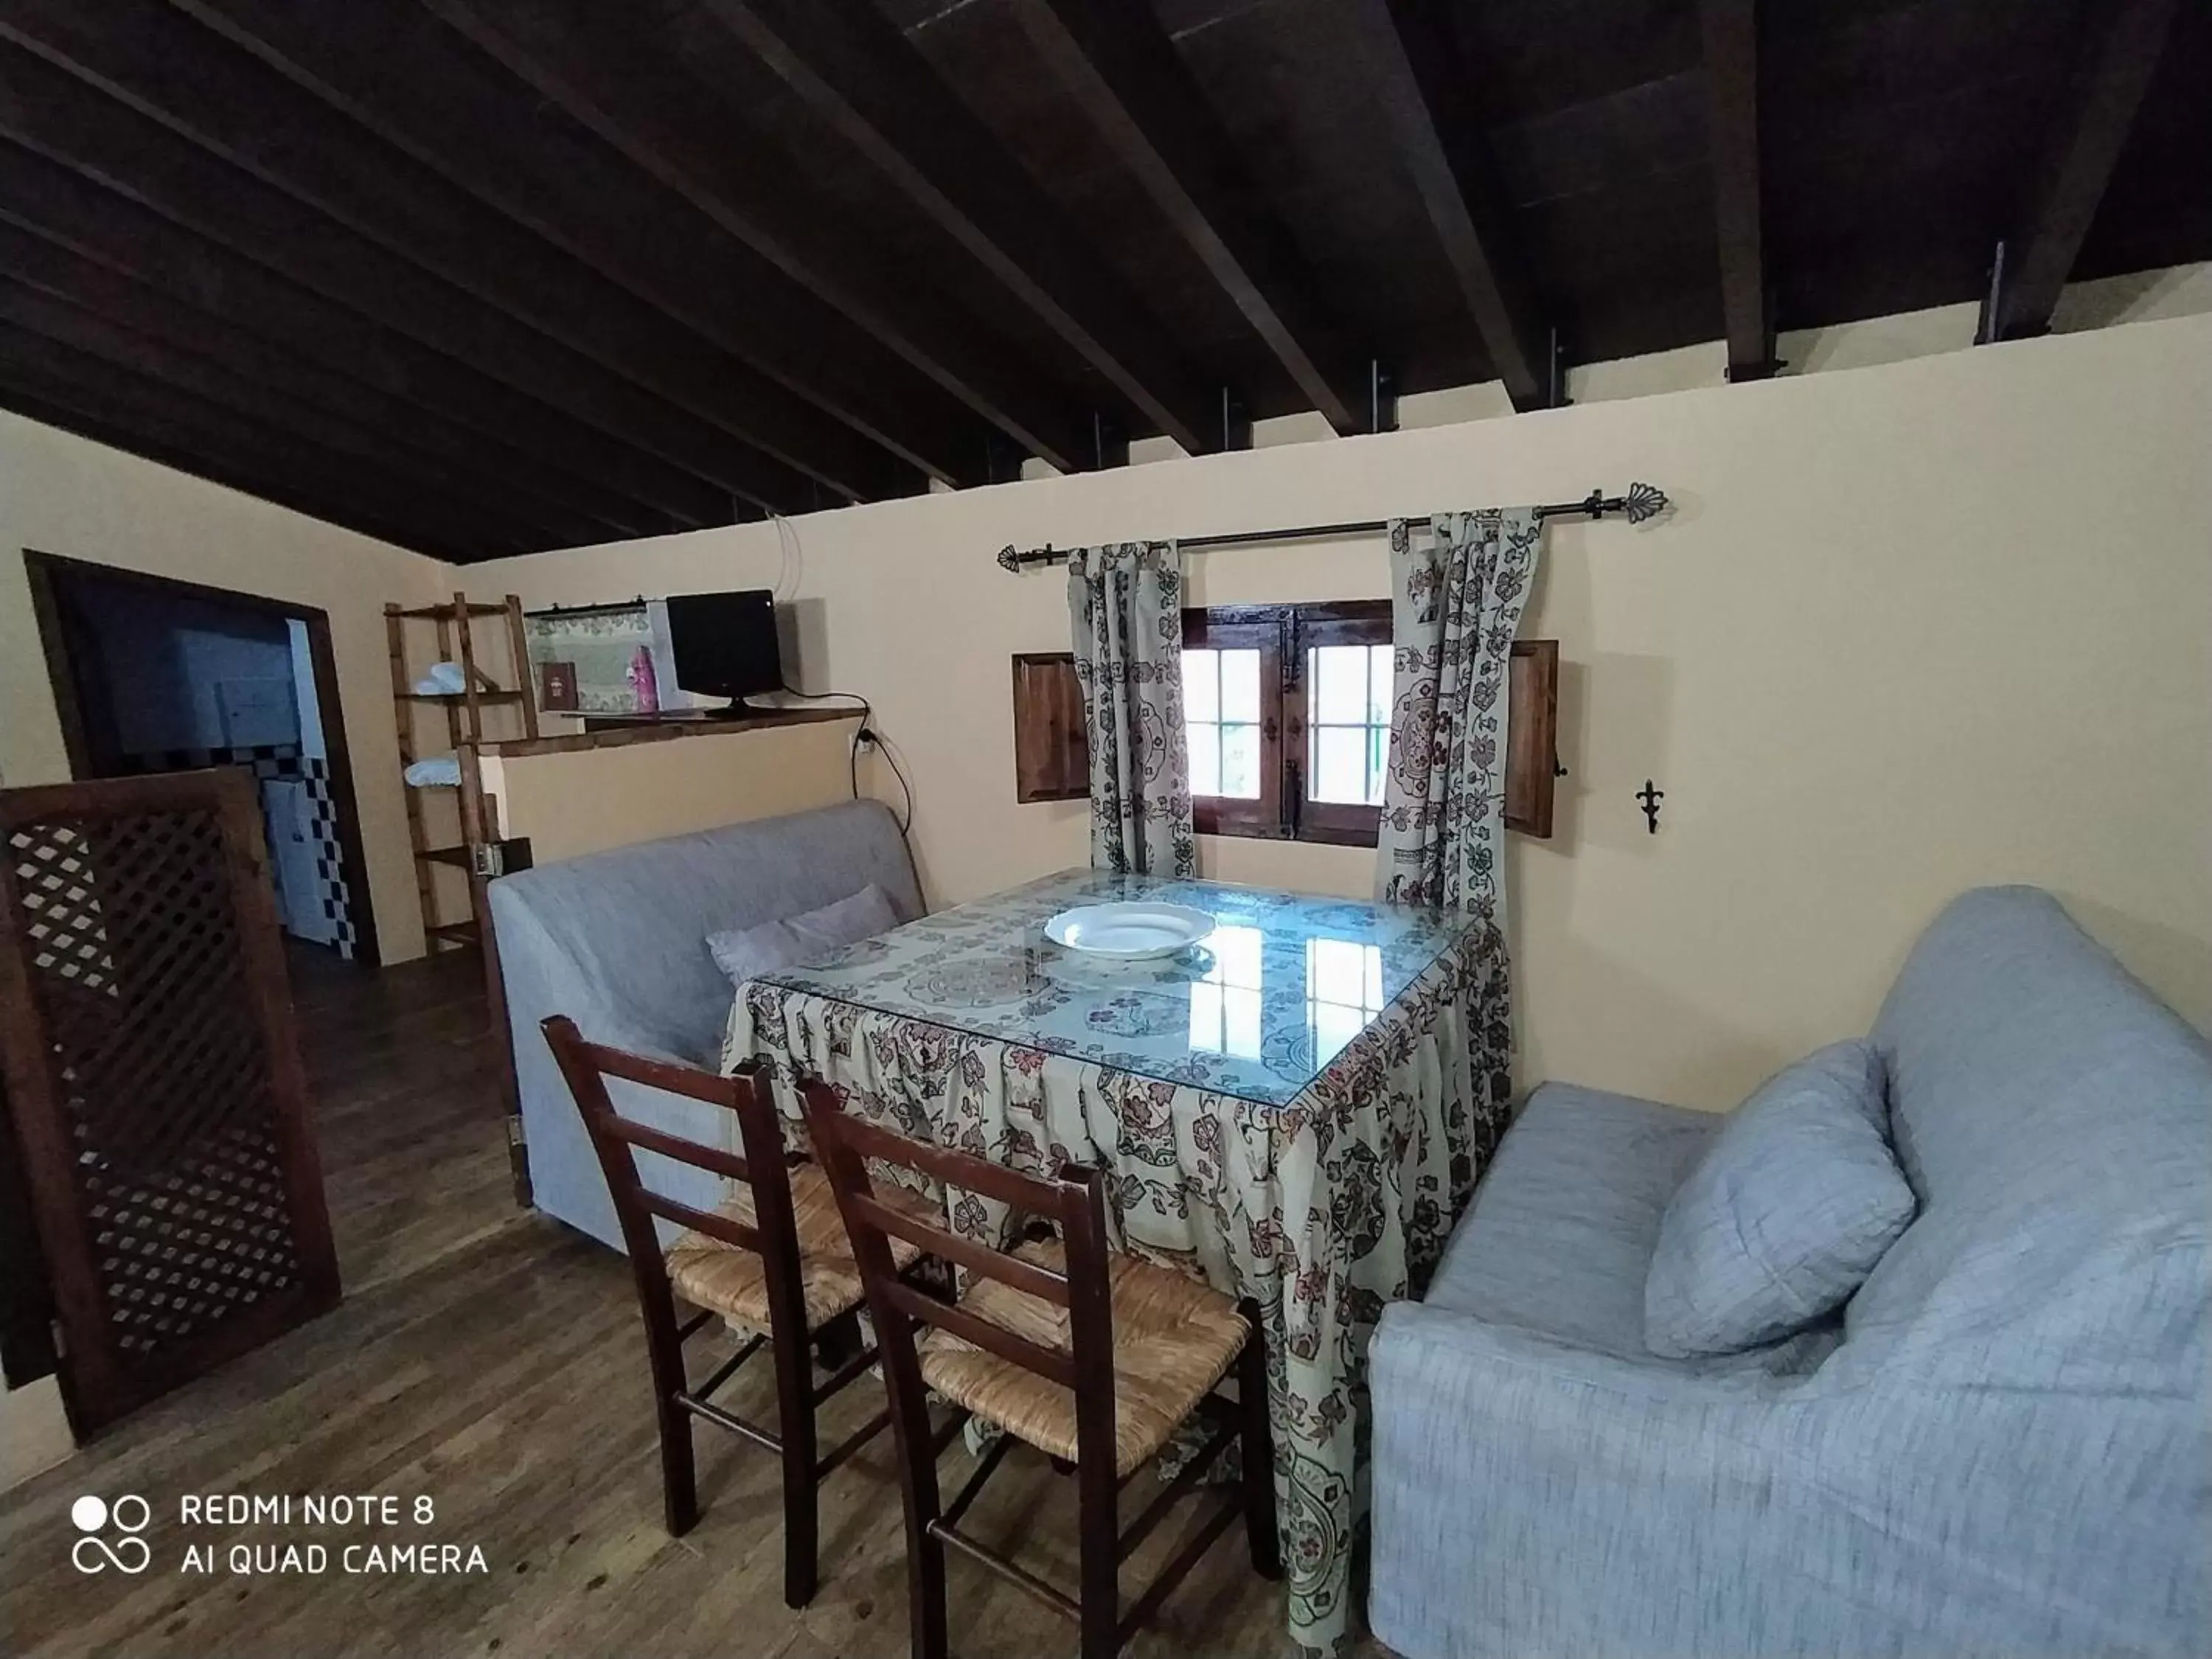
(1785, 1216)
(746, 953)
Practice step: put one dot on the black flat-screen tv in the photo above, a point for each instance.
(725, 644)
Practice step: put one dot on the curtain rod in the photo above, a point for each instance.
(637, 604)
(1642, 502)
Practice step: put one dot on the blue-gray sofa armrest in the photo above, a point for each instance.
(1530, 1497)
(565, 1179)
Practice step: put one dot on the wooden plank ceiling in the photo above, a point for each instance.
(481, 277)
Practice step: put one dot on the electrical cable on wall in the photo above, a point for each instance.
(864, 735)
(791, 571)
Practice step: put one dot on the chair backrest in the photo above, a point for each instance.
(617, 1140)
(1075, 1202)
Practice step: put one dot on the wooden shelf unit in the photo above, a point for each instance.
(455, 639)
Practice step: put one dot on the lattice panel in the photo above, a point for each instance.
(195, 1243)
(68, 936)
(158, 1068)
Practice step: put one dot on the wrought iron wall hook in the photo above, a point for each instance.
(1650, 795)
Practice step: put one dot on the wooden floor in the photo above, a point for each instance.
(492, 1361)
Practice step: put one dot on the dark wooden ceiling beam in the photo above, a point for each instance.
(597, 66)
(458, 408)
(156, 437)
(2115, 73)
(60, 116)
(867, 80)
(370, 458)
(161, 65)
(1427, 120)
(1729, 31)
(450, 404)
(1131, 82)
(180, 430)
(398, 73)
(44, 284)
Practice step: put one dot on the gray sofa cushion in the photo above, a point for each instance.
(1560, 1232)
(1559, 1240)
(1785, 1215)
(2009, 1454)
(616, 941)
(743, 953)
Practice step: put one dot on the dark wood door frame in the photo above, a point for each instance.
(51, 574)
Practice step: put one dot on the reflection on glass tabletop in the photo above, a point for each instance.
(1280, 986)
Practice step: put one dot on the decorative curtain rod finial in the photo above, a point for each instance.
(1645, 502)
(1009, 559)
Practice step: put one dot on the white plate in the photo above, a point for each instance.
(1127, 932)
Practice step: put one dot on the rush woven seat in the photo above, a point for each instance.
(710, 1273)
(1174, 1339)
(773, 1259)
(1094, 1358)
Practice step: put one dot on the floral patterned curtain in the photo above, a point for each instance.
(1125, 604)
(1458, 586)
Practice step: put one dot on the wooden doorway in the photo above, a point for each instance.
(61, 591)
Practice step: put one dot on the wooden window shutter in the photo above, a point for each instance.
(1051, 754)
(1532, 743)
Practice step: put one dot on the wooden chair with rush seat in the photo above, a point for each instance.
(1092, 1358)
(773, 1259)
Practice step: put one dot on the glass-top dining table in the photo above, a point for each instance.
(1294, 1110)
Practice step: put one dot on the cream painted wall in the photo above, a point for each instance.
(1919, 621)
(62, 495)
(591, 799)
(1911, 628)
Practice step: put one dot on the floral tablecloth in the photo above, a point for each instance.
(1295, 1111)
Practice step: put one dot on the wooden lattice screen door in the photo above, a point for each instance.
(154, 1079)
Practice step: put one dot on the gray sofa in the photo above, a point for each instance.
(2003, 1446)
(616, 941)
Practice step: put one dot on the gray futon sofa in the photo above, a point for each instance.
(618, 941)
(2003, 1446)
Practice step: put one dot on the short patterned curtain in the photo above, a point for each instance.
(1458, 586)
(1125, 605)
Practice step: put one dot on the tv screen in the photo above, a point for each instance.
(725, 644)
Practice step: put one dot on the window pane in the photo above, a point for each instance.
(1240, 685)
(1201, 698)
(1205, 758)
(1206, 1018)
(1379, 671)
(1240, 1024)
(1235, 956)
(1336, 970)
(1379, 762)
(1344, 992)
(1333, 1026)
(1240, 762)
(1339, 676)
(1225, 1006)
(1340, 764)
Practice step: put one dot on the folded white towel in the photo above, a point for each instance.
(445, 679)
(439, 771)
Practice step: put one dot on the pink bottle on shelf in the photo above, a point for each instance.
(643, 683)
